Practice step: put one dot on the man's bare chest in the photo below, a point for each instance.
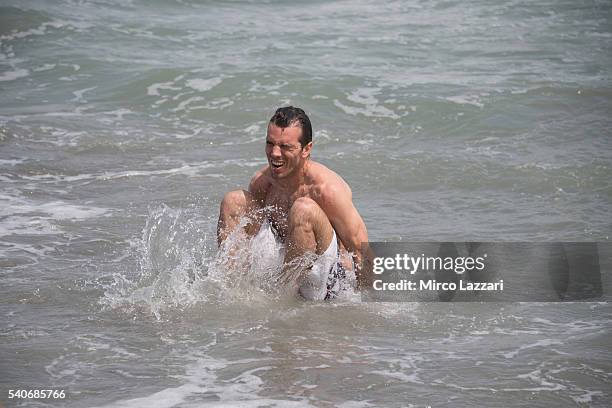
(278, 204)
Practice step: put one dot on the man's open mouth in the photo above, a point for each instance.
(277, 165)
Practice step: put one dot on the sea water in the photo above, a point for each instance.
(122, 124)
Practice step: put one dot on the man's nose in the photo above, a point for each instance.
(276, 151)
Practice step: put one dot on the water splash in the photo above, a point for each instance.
(179, 265)
(249, 268)
(171, 274)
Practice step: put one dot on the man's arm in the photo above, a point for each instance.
(337, 202)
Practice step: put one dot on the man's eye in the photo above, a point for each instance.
(268, 143)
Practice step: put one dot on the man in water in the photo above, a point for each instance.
(305, 207)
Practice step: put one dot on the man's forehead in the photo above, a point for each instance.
(288, 134)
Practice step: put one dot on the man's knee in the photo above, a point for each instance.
(235, 205)
(235, 202)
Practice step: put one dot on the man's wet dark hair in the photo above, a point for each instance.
(289, 116)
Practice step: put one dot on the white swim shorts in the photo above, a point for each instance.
(322, 280)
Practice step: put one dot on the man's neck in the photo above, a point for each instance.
(293, 182)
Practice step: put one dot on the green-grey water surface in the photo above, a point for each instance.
(122, 123)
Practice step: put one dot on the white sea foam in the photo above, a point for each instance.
(26, 225)
(364, 96)
(220, 103)
(191, 170)
(36, 252)
(60, 210)
(40, 30)
(11, 162)
(399, 375)
(187, 170)
(12, 75)
(56, 209)
(153, 90)
(195, 132)
(78, 95)
(56, 178)
(183, 105)
(203, 85)
(21, 216)
(266, 349)
(169, 397)
(61, 137)
(259, 87)
(370, 107)
(586, 397)
(253, 129)
(202, 378)
(118, 114)
(359, 404)
(44, 67)
(545, 384)
(539, 343)
(466, 100)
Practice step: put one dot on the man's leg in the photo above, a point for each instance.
(309, 232)
(235, 205)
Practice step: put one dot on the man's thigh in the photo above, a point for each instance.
(306, 212)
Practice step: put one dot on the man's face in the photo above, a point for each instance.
(284, 151)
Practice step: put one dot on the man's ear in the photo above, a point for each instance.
(306, 150)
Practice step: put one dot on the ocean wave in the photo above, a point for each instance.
(21, 216)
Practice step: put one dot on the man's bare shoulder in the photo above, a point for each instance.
(327, 182)
(260, 182)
